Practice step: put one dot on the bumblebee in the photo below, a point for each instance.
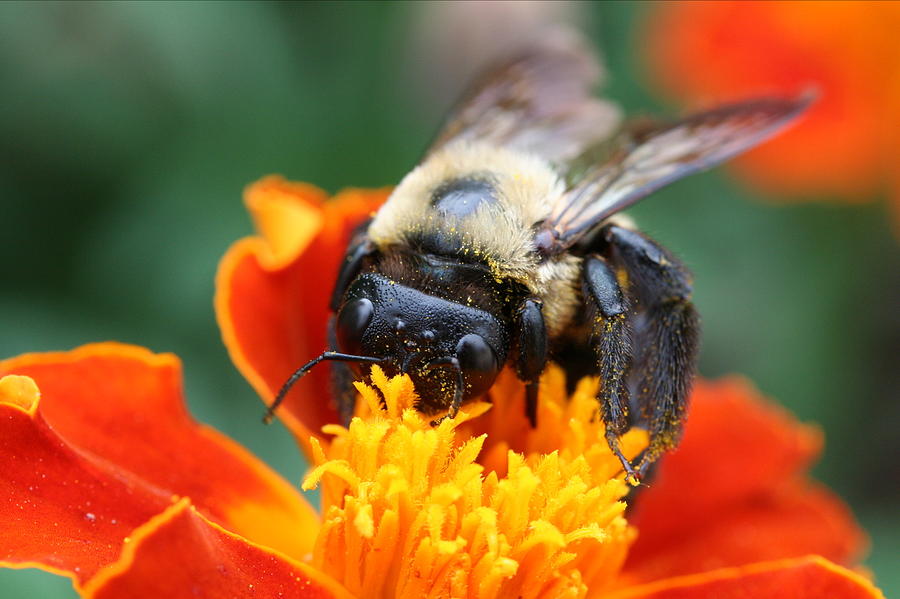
(506, 246)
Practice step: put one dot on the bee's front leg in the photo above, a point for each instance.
(531, 352)
(611, 340)
(669, 341)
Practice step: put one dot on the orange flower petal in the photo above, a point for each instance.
(710, 52)
(735, 445)
(122, 406)
(796, 521)
(287, 225)
(61, 509)
(179, 552)
(809, 577)
(272, 292)
(731, 494)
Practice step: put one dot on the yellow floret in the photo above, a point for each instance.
(414, 510)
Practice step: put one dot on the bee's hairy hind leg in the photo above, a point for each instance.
(342, 388)
(670, 340)
(611, 341)
(531, 352)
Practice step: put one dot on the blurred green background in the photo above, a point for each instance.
(128, 131)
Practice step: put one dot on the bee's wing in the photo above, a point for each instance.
(539, 102)
(655, 156)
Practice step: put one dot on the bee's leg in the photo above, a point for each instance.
(341, 379)
(611, 341)
(531, 352)
(669, 344)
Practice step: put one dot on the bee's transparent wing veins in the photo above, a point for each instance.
(654, 156)
(540, 102)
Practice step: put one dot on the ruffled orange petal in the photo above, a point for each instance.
(120, 409)
(733, 492)
(805, 578)
(272, 292)
(180, 553)
(61, 509)
(799, 520)
(736, 444)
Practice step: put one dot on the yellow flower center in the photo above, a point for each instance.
(477, 506)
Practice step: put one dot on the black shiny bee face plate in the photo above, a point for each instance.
(416, 331)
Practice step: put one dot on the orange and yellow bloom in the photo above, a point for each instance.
(847, 145)
(110, 482)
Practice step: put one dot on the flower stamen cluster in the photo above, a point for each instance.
(408, 509)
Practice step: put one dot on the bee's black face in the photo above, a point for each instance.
(427, 337)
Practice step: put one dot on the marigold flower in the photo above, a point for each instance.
(847, 144)
(110, 482)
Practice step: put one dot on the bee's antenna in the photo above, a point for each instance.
(298, 374)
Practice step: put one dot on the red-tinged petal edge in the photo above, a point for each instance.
(734, 492)
(108, 446)
(179, 552)
(736, 444)
(287, 214)
(272, 292)
(810, 577)
(789, 522)
(61, 509)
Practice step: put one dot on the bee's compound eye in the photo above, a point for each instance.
(352, 322)
(478, 363)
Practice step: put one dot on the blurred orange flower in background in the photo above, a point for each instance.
(848, 144)
(110, 482)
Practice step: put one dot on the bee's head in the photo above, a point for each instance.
(447, 348)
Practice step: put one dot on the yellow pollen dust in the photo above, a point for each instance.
(479, 506)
